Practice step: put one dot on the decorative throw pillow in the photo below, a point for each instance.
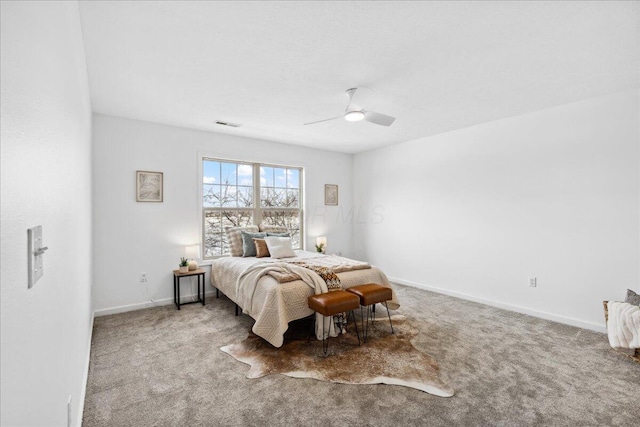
(287, 234)
(261, 248)
(248, 247)
(273, 228)
(632, 298)
(234, 237)
(279, 247)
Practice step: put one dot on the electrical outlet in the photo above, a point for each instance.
(143, 277)
(69, 412)
(533, 282)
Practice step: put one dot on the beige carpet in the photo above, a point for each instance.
(163, 367)
(385, 358)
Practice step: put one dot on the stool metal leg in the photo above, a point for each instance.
(367, 323)
(325, 335)
(325, 339)
(364, 327)
(353, 316)
(371, 317)
(388, 314)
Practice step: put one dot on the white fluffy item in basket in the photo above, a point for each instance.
(623, 325)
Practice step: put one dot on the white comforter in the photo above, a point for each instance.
(273, 305)
(623, 326)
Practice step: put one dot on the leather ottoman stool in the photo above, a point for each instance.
(369, 295)
(331, 303)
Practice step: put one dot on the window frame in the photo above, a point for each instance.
(257, 209)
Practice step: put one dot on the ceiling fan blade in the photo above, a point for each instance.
(320, 121)
(378, 119)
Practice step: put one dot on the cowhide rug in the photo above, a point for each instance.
(385, 358)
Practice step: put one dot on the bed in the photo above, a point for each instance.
(274, 298)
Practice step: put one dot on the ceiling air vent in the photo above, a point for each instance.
(233, 125)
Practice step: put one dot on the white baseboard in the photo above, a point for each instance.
(518, 309)
(147, 304)
(83, 392)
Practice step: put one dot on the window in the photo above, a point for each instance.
(238, 194)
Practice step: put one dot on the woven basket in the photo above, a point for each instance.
(635, 357)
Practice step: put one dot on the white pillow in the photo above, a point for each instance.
(279, 247)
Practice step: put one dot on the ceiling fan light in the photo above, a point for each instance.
(354, 116)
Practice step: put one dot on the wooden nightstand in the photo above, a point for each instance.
(176, 286)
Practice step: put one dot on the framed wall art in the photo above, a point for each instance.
(331, 195)
(149, 186)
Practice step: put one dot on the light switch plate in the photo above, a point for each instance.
(36, 252)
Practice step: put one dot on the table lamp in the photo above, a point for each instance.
(192, 252)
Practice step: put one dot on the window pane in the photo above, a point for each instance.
(293, 178)
(210, 172)
(210, 195)
(293, 199)
(245, 175)
(288, 219)
(245, 197)
(228, 198)
(229, 173)
(213, 245)
(214, 237)
(266, 176)
(237, 218)
(280, 177)
(265, 196)
(273, 197)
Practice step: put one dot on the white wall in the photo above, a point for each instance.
(130, 237)
(475, 212)
(46, 180)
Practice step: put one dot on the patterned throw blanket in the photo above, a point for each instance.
(334, 263)
(333, 284)
(328, 275)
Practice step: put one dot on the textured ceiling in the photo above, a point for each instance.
(271, 66)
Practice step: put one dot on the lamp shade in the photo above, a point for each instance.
(192, 251)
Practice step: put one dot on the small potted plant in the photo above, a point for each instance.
(184, 265)
(320, 247)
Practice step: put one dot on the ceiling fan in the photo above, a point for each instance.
(354, 114)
